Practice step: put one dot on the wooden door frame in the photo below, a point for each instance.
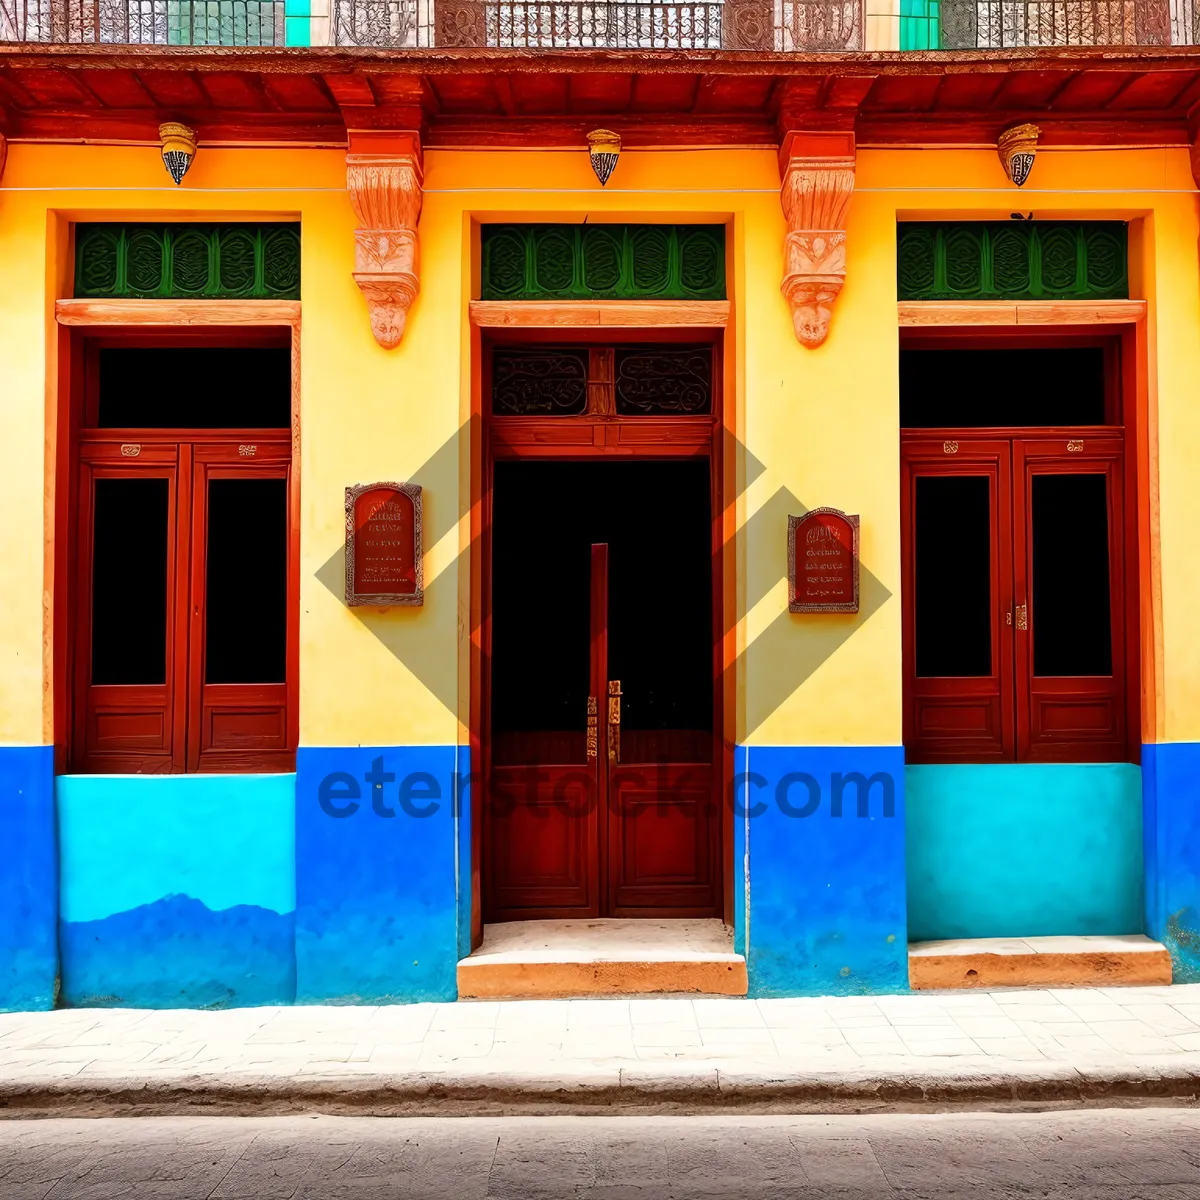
(582, 322)
(997, 324)
(144, 322)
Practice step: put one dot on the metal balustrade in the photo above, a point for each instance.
(145, 22)
(783, 26)
(998, 24)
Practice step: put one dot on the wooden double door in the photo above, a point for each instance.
(599, 740)
(1015, 600)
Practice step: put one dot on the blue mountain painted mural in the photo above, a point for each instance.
(179, 953)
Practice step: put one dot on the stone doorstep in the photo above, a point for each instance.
(1038, 962)
(602, 957)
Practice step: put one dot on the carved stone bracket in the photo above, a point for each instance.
(384, 174)
(818, 178)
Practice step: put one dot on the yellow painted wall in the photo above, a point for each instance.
(822, 423)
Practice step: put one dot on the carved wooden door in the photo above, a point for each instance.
(598, 742)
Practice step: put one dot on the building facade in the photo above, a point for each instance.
(580, 663)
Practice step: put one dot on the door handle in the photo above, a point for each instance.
(593, 728)
(1022, 616)
(614, 720)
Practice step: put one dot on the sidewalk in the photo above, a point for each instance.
(848, 1054)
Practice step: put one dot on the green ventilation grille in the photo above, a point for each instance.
(177, 262)
(595, 262)
(1013, 260)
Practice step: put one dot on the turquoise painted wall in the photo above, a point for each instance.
(177, 891)
(1023, 849)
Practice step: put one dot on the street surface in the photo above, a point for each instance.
(1122, 1154)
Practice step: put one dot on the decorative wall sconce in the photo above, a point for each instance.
(1017, 146)
(178, 148)
(604, 148)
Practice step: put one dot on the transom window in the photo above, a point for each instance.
(625, 381)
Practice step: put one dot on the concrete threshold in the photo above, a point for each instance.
(603, 957)
(1130, 959)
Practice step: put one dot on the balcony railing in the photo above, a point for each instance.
(788, 26)
(1000, 24)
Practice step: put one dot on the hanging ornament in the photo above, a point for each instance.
(178, 148)
(604, 147)
(1016, 147)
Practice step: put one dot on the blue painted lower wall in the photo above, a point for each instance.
(819, 846)
(380, 871)
(349, 882)
(1024, 849)
(177, 891)
(1171, 793)
(28, 879)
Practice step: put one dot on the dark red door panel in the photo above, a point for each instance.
(956, 587)
(1069, 554)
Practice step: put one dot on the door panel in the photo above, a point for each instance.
(662, 847)
(1068, 556)
(541, 833)
(542, 843)
(957, 638)
(127, 657)
(239, 612)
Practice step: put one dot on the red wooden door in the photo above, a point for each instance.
(1068, 556)
(659, 812)
(1014, 598)
(240, 609)
(133, 517)
(957, 537)
(600, 797)
(544, 785)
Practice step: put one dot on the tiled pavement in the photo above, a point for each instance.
(999, 1031)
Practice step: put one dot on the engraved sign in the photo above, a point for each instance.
(823, 562)
(383, 544)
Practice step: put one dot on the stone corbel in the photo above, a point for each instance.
(818, 177)
(384, 174)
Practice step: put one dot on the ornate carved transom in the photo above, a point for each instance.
(602, 381)
(658, 380)
(528, 383)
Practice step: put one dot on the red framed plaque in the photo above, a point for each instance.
(383, 544)
(823, 561)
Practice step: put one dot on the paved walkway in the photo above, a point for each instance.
(1104, 1154)
(827, 1054)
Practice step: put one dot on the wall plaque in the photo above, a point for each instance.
(823, 562)
(383, 544)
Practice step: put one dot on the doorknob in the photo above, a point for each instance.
(614, 720)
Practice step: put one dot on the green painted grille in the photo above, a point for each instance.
(178, 262)
(595, 262)
(1013, 260)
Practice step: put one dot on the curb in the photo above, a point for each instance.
(611, 1092)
